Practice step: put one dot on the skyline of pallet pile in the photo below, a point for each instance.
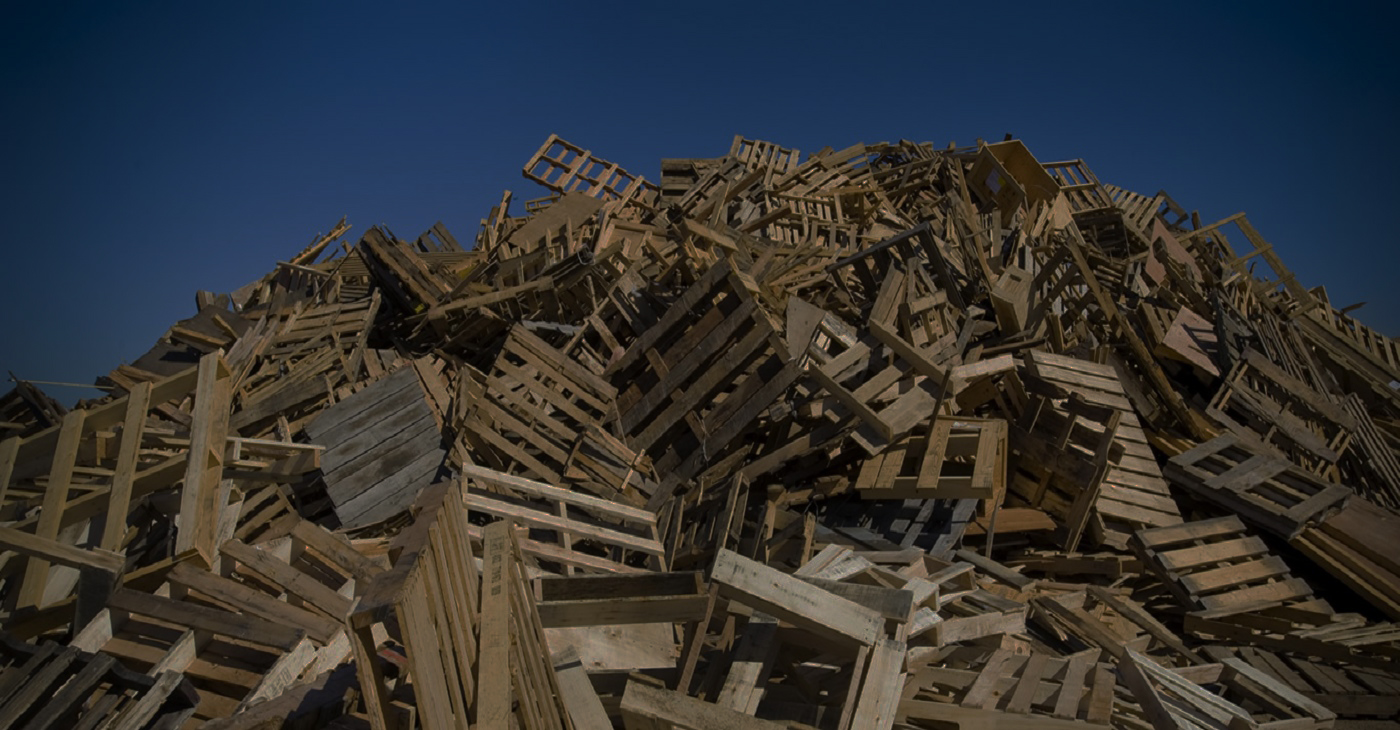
(886, 436)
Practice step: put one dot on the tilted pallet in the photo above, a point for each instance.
(1261, 487)
(1074, 689)
(429, 598)
(1352, 693)
(535, 406)
(563, 167)
(516, 684)
(1259, 401)
(230, 656)
(1217, 566)
(695, 381)
(50, 686)
(589, 533)
(1358, 545)
(1063, 458)
(1133, 494)
(1169, 699)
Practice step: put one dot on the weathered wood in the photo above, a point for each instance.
(792, 600)
(205, 494)
(651, 708)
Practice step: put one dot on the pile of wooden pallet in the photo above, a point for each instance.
(887, 436)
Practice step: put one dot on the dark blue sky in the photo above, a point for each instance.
(153, 149)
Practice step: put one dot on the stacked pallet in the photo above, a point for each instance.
(883, 436)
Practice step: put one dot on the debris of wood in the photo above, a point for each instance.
(892, 435)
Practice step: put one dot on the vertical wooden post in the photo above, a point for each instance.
(201, 498)
(36, 574)
(119, 501)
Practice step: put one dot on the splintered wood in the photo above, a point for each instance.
(884, 436)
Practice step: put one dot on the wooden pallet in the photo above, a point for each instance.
(50, 686)
(919, 250)
(518, 686)
(1170, 700)
(1261, 487)
(1372, 467)
(571, 530)
(429, 599)
(401, 272)
(706, 518)
(1352, 693)
(956, 458)
(1133, 494)
(692, 384)
(1382, 349)
(1358, 545)
(298, 366)
(1217, 566)
(888, 384)
(563, 167)
(382, 443)
(534, 407)
(1063, 458)
(1259, 402)
(1075, 689)
(622, 315)
(232, 657)
(1114, 623)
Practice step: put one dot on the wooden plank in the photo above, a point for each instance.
(585, 709)
(202, 498)
(9, 450)
(36, 574)
(251, 601)
(119, 501)
(750, 665)
(204, 618)
(880, 687)
(61, 553)
(650, 708)
(790, 599)
(288, 578)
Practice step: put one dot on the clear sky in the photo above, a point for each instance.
(152, 149)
